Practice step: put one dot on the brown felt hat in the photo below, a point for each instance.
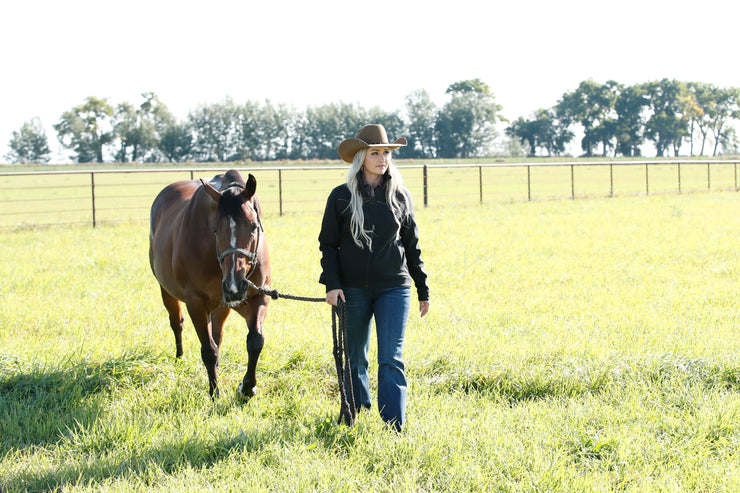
(367, 136)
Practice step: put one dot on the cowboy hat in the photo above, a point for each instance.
(367, 136)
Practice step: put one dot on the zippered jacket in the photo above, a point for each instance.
(395, 259)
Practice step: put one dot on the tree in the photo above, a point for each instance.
(277, 126)
(465, 126)
(422, 115)
(86, 129)
(157, 115)
(698, 100)
(29, 144)
(727, 106)
(265, 131)
(322, 128)
(729, 141)
(176, 143)
(250, 132)
(629, 106)
(141, 129)
(591, 105)
(669, 123)
(526, 132)
(541, 131)
(708, 109)
(216, 132)
(128, 130)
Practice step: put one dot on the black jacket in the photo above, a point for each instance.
(395, 258)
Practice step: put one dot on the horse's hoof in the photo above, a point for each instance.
(243, 393)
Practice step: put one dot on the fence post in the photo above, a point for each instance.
(92, 193)
(426, 190)
(709, 182)
(280, 190)
(480, 182)
(679, 177)
(529, 185)
(735, 164)
(611, 180)
(647, 182)
(572, 184)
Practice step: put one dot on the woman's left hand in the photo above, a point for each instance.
(423, 308)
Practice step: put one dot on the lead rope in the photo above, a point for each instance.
(347, 409)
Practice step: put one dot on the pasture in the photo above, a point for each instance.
(573, 345)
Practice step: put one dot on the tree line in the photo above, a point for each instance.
(618, 119)
(615, 119)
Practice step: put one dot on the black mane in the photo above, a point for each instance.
(231, 200)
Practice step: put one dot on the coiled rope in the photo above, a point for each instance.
(348, 410)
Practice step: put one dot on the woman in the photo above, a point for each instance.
(370, 254)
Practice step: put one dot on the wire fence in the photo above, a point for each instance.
(30, 199)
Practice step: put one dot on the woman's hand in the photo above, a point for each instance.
(423, 308)
(333, 295)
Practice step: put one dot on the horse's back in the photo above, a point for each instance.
(170, 201)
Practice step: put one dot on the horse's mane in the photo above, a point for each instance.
(231, 178)
(231, 184)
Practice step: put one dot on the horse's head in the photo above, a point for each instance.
(236, 224)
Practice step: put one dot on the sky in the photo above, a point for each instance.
(56, 53)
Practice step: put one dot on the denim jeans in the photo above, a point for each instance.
(390, 308)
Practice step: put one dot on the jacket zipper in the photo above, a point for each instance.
(372, 232)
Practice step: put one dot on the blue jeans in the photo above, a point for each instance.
(390, 308)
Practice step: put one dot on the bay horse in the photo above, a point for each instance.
(206, 244)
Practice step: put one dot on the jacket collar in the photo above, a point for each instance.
(367, 189)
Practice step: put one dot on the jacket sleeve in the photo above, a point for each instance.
(410, 240)
(329, 239)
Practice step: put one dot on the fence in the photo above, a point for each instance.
(40, 198)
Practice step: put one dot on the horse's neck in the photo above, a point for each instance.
(195, 225)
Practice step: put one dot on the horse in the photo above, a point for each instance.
(207, 249)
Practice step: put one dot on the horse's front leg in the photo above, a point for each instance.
(218, 317)
(208, 346)
(254, 311)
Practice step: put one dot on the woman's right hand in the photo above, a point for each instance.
(333, 295)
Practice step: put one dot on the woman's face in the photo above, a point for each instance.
(377, 160)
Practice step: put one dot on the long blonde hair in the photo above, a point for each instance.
(360, 235)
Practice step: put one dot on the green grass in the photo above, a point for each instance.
(574, 345)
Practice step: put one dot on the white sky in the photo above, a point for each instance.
(56, 53)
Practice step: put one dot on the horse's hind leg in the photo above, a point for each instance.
(176, 319)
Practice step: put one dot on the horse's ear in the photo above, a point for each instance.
(212, 192)
(250, 188)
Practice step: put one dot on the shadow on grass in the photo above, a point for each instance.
(168, 457)
(165, 458)
(42, 407)
(39, 404)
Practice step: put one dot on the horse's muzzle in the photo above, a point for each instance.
(234, 291)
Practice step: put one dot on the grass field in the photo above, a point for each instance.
(574, 345)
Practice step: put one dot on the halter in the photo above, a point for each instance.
(252, 256)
